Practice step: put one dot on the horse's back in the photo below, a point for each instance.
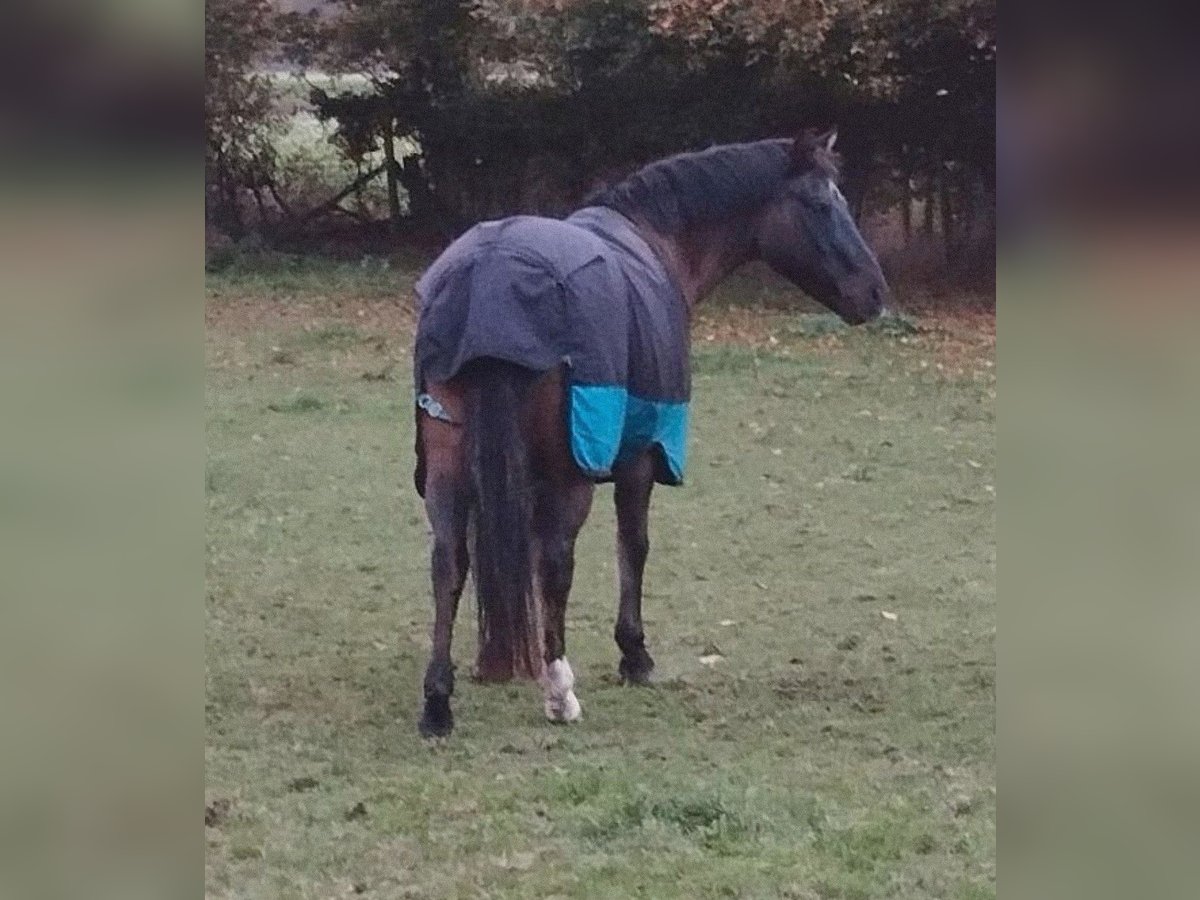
(499, 292)
(585, 297)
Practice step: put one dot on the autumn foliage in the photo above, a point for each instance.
(527, 104)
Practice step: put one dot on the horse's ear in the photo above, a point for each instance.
(808, 144)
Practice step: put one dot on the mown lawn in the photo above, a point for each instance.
(833, 549)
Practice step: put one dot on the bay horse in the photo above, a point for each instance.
(542, 349)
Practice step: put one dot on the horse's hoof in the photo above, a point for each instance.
(561, 703)
(437, 720)
(565, 710)
(430, 727)
(637, 671)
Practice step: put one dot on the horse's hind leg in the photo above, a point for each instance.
(633, 483)
(559, 515)
(447, 507)
(447, 502)
(562, 501)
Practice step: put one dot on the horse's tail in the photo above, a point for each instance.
(510, 641)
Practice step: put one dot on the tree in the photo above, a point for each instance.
(522, 105)
(237, 105)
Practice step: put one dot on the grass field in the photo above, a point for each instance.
(831, 558)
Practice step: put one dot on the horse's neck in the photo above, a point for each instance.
(700, 258)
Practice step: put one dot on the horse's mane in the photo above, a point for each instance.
(674, 193)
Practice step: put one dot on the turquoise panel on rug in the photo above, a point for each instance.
(609, 425)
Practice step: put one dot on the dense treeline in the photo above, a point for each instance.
(527, 104)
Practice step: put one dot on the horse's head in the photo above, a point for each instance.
(807, 234)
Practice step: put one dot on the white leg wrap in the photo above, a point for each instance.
(561, 703)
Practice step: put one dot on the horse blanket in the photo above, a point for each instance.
(586, 292)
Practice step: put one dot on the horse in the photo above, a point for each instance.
(519, 415)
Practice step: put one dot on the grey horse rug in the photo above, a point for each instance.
(586, 291)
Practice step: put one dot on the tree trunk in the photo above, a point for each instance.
(231, 219)
(906, 201)
(424, 207)
(968, 207)
(359, 203)
(393, 188)
(981, 236)
(927, 208)
(284, 208)
(946, 211)
(263, 218)
(332, 202)
(234, 207)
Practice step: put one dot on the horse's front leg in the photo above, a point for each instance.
(633, 483)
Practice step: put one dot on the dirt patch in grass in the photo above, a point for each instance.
(235, 314)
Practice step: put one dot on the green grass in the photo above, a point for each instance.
(259, 274)
(832, 752)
